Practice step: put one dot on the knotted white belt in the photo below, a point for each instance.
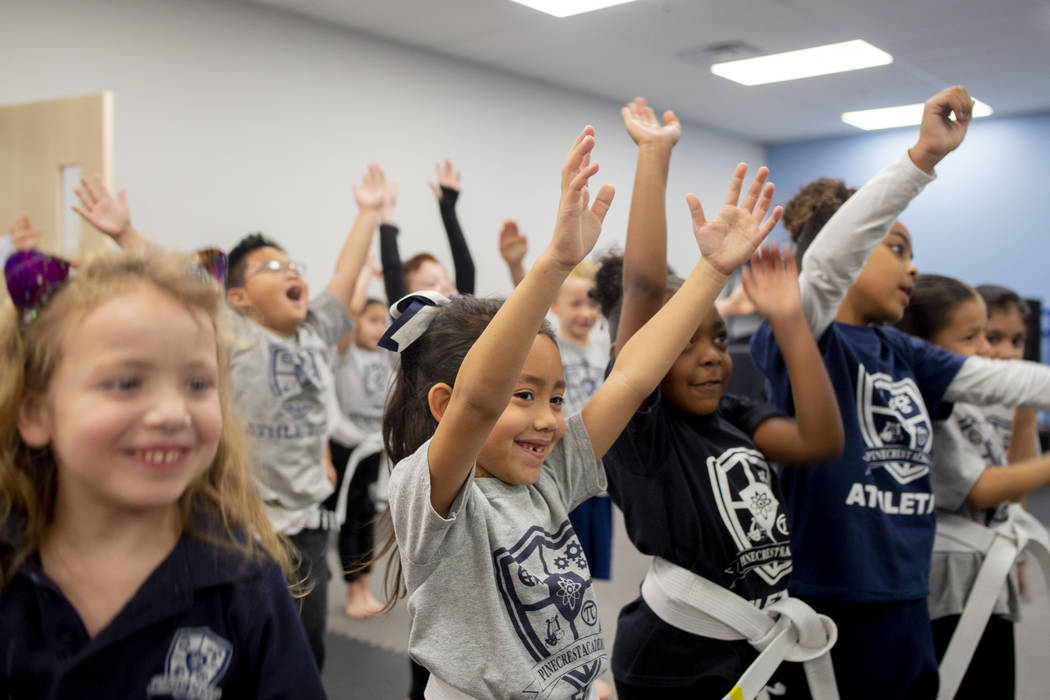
(788, 630)
(1001, 546)
(438, 689)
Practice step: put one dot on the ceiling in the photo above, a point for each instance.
(999, 49)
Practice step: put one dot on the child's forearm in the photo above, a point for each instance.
(645, 254)
(517, 272)
(817, 412)
(984, 382)
(1024, 437)
(390, 260)
(834, 260)
(457, 243)
(1009, 483)
(352, 256)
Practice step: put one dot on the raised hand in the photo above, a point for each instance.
(578, 226)
(371, 193)
(645, 128)
(110, 216)
(771, 282)
(728, 241)
(447, 176)
(23, 235)
(512, 244)
(938, 134)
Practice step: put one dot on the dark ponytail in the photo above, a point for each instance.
(932, 303)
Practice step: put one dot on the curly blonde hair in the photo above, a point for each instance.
(224, 495)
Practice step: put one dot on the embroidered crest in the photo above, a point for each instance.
(740, 480)
(894, 424)
(196, 662)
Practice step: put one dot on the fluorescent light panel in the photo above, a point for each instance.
(566, 8)
(804, 63)
(903, 115)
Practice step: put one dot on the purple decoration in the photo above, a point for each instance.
(213, 260)
(32, 277)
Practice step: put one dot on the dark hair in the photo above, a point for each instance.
(434, 358)
(932, 303)
(608, 288)
(811, 207)
(237, 259)
(372, 301)
(1002, 299)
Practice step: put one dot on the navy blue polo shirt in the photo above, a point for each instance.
(208, 623)
(862, 525)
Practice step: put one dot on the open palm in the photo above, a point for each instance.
(728, 240)
(643, 126)
(111, 216)
(578, 225)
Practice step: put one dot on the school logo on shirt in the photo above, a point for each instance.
(545, 584)
(894, 424)
(290, 372)
(196, 662)
(581, 381)
(751, 513)
(982, 435)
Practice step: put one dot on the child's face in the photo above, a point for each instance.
(132, 410)
(430, 275)
(1007, 334)
(700, 375)
(532, 423)
(886, 282)
(371, 325)
(965, 331)
(276, 300)
(575, 309)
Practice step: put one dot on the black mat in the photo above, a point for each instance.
(356, 670)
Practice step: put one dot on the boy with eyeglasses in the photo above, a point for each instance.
(283, 385)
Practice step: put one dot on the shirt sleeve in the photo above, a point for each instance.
(423, 536)
(277, 646)
(461, 259)
(747, 413)
(957, 464)
(390, 259)
(935, 368)
(328, 318)
(833, 262)
(984, 381)
(576, 471)
(642, 446)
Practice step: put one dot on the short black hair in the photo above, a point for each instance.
(1002, 299)
(236, 260)
(932, 303)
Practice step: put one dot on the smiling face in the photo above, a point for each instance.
(277, 300)
(531, 425)
(965, 331)
(132, 411)
(577, 312)
(700, 375)
(1007, 333)
(886, 282)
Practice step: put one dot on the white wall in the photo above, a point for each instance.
(231, 118)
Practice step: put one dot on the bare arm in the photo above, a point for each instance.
(490, 370)
(815, 433)
(1009, 483)
(645, 255)
(1024, 437)
(369, 196)
(725, 243)
(513, 245)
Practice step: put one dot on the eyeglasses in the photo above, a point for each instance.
(278, 266)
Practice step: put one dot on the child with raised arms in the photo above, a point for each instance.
(863, 525)
(970, 481)
(135, 556)
(690, 471)
(487, 468)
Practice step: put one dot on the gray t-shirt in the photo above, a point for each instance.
(499, 591)
(584, 370)
(280, 387)
(1002, 418)
(963, 447)
(362, 378)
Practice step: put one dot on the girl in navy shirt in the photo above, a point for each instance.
(690, 470)
(862, 525)
(135, 556)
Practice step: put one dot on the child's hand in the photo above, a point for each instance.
(512, 244)
(730, 239)
(939, 135)
(577, 228)
(23, 235)
(772, 283)
(109, 216)
(645, 128)
(371, 192)
(447, 176)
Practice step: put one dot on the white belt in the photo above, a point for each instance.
(438, 689)
(1001, 547)
(787, 630)
(366, 448)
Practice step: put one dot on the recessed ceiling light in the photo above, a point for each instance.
(804, 63)
(565, 8)
(904, 115)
